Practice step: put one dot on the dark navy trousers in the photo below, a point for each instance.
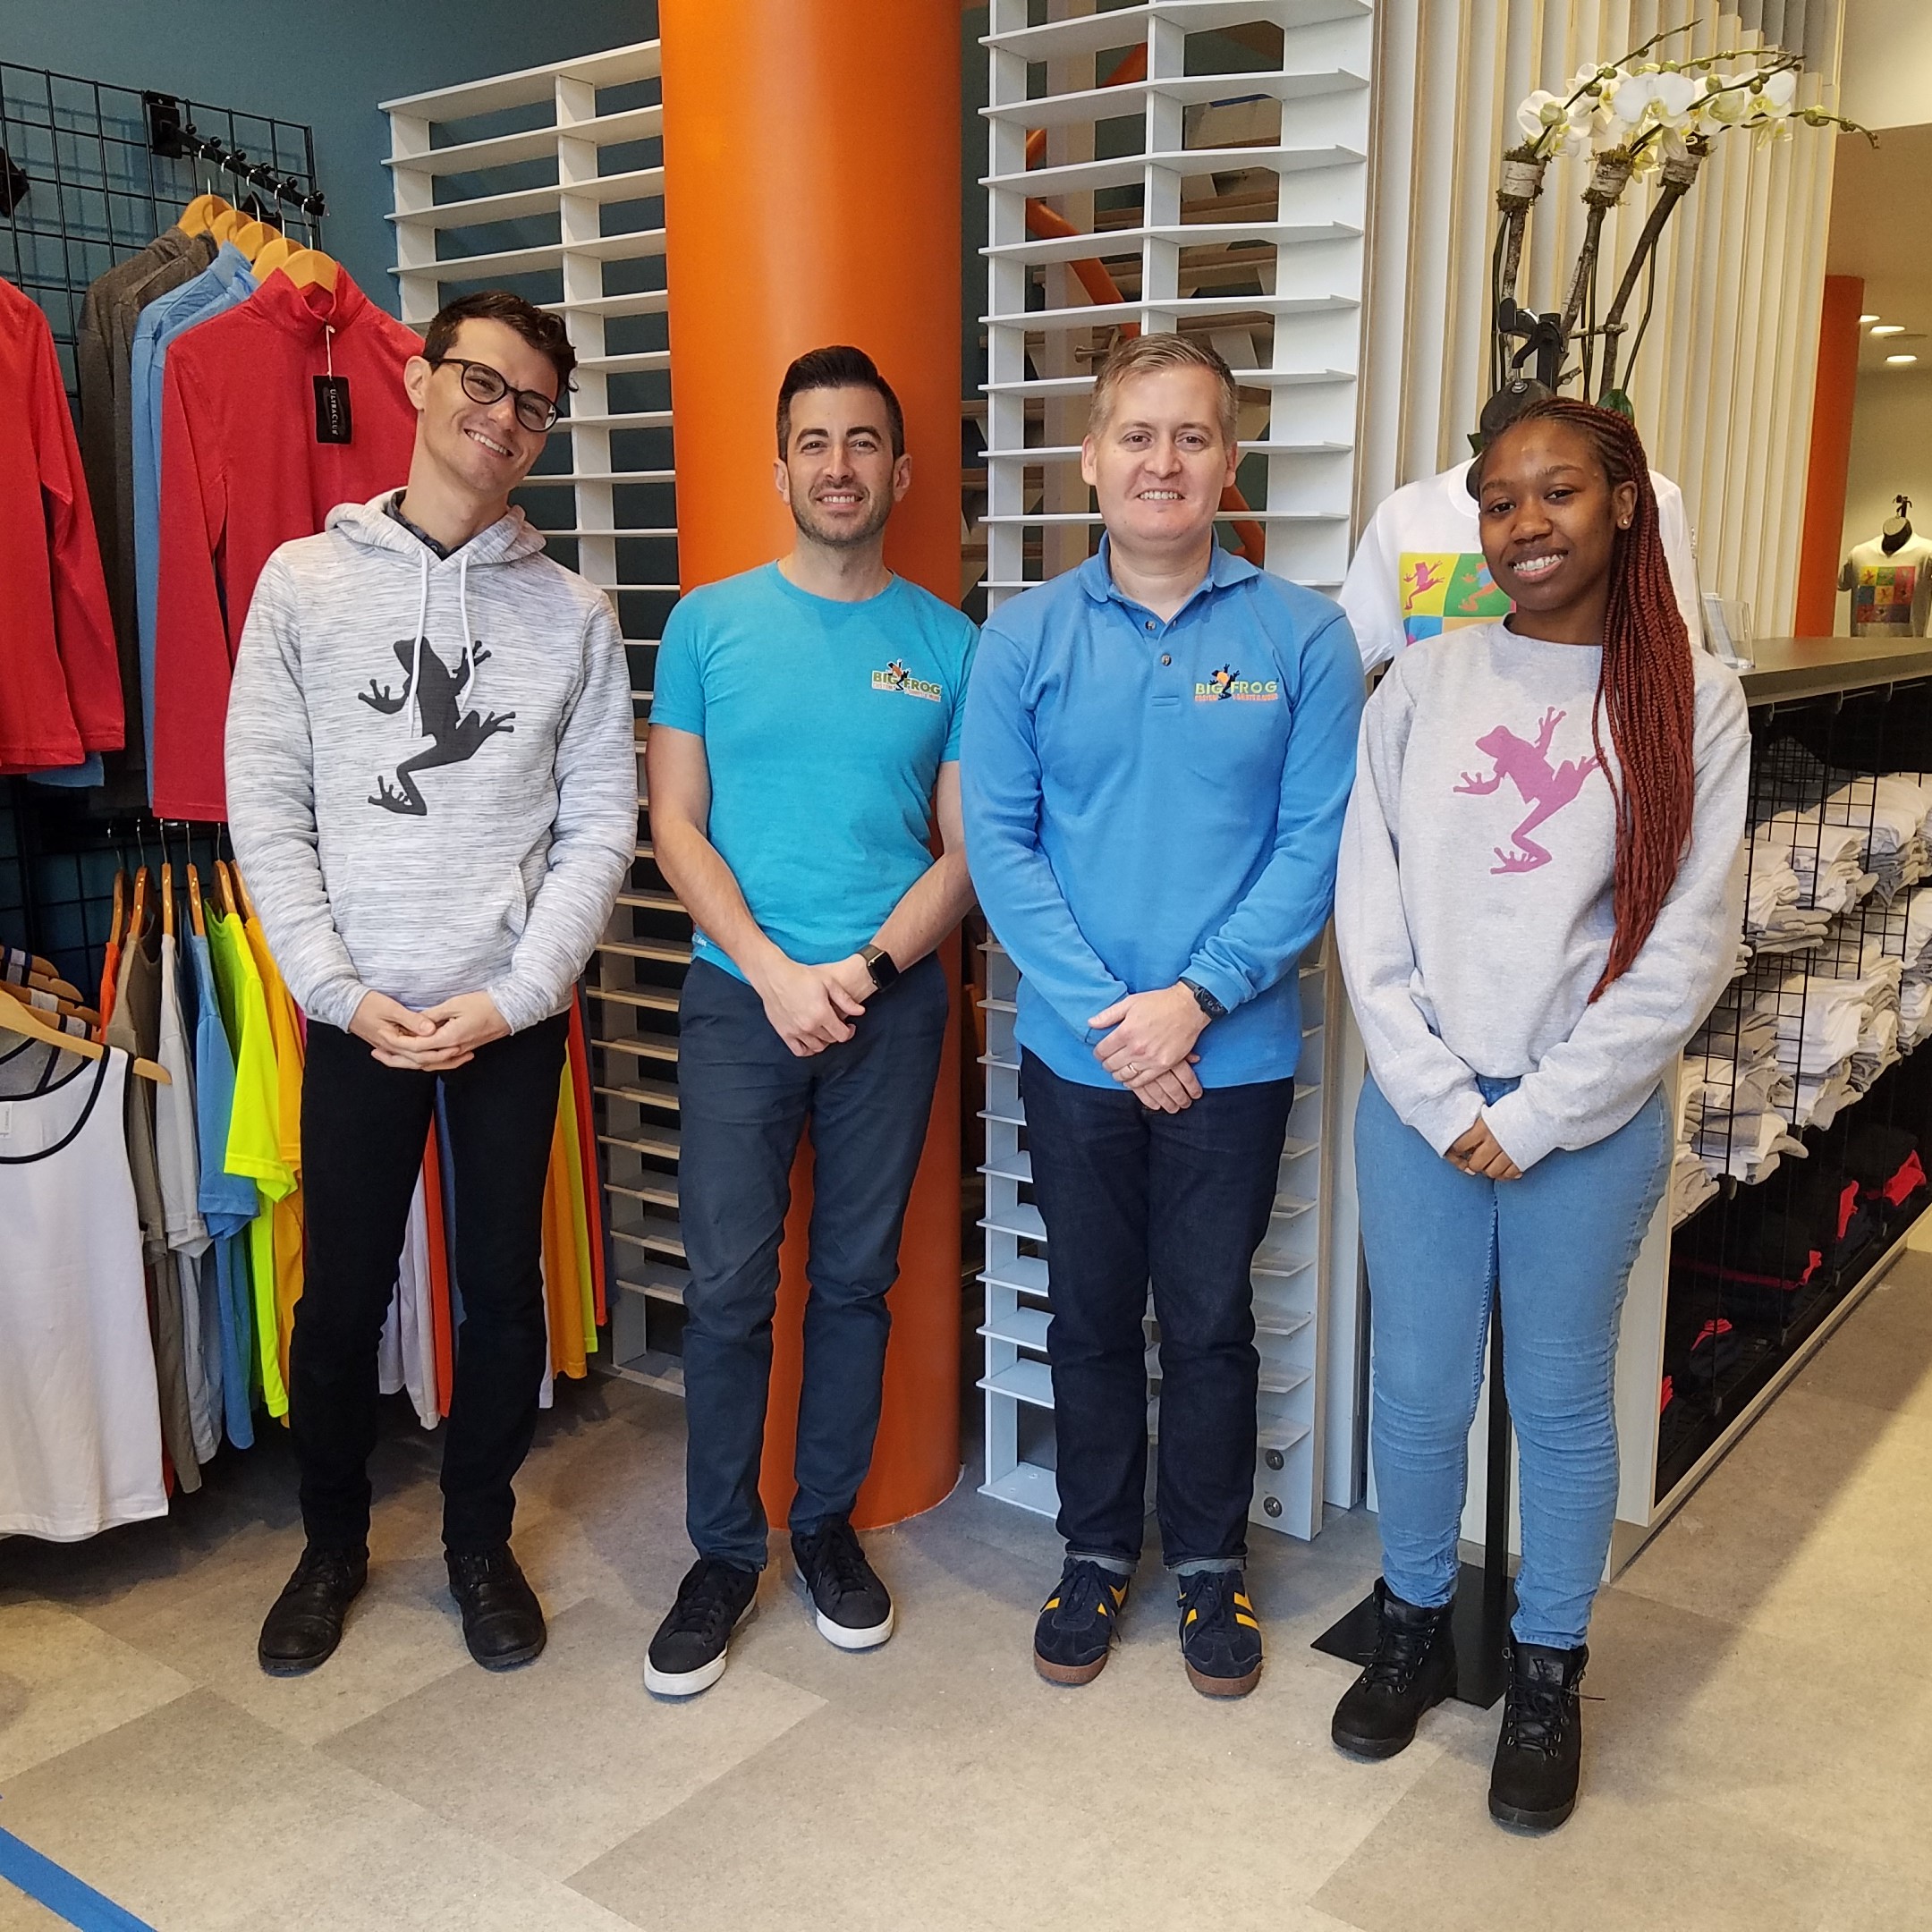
(744, 1100)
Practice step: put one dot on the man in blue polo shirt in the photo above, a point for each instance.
(1158, 750)
(804, 738)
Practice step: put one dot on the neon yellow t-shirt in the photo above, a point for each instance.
(255, 1137)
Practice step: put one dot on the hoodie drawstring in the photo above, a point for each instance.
(462, 610)
(414, 708)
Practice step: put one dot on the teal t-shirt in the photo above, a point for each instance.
(824, 726)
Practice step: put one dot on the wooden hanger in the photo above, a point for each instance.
(276, 251)
(168, 898)
(311, 267)
(197, 918)
(196, 218)
(117, 923)
(252, 237)
(33, 960)
(248, 905)
(137, 926)
(224, 886)
(16, 1016)
(226, 225)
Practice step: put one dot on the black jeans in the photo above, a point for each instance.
(363, 1129)
(1130, 1196)
(743, 1101)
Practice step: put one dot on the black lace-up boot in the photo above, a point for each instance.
(1413, 1669)
(1534, 1781)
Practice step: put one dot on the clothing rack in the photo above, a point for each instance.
(108, 168)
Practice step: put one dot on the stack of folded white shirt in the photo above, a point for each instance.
(1825, 856)
(1915, 982)
(1774, 919)
(1691, 1185)
(1835, 1035)
(1735, 1097)
(1890, 812)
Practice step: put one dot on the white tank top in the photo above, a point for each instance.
(80, 1413)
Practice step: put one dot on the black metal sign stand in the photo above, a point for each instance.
(1485, 1594)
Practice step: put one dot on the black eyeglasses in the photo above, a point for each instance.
(482, 384)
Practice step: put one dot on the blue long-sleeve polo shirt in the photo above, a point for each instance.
(1146, 801)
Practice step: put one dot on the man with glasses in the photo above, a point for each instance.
(432, 791)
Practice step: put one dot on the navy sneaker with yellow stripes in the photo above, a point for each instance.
(1075, 1630)
(1220, 1635)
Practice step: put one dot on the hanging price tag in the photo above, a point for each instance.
(332, 422)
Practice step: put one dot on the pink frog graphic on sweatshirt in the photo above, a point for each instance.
(1547, 790)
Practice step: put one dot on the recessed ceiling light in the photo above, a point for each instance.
(1863, 319)
(1901, 358)
(1889, 328)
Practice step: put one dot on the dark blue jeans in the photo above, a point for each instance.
(744, 1099)
(1132, 1195)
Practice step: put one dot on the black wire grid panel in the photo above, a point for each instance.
(91, 190)
(81, 188)
(1800, 1214)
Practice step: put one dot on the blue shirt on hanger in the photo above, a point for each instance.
(226, 282)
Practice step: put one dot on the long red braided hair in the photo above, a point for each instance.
(1646, 688)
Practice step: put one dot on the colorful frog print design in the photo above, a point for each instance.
(454, 735)
(1222, 683)
(1546, 789)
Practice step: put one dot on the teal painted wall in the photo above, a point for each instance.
(326, 64)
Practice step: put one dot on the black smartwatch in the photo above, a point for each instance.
(1206, 1000)
(880, 965)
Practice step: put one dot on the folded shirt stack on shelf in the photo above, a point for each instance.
(1895, 808)
(1736, 1098)
(1774, 918)
(1915, 983)
(1824, 853)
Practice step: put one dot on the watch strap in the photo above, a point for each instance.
(1206, 1000)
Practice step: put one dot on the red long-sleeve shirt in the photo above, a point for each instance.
(242, 472)
(60, 679)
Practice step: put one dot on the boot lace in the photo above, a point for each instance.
(1399, 1653)
(1209, 1594)
(1536, 1714)
(1080, 1592)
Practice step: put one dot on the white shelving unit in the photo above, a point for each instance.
(1289, 1271)
(586, 239)
(1219, 186)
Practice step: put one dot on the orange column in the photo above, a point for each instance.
(1830, 465)
(812, 196)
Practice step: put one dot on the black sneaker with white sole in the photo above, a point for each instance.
(688, 1652)
(852, 1608)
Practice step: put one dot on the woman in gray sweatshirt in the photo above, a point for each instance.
(1540, 885)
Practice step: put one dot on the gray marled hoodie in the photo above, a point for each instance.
(432, 781)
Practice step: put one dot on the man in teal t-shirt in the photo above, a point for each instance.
(804, 740)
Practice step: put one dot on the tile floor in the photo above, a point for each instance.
(1761, 1756)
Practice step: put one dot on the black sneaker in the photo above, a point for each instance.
(687, 1654)
(305, 1622)
(1220, 1635)
(503, 1622)
(1413, 1669)
(1533, 1783)
(853, 1609)
(1076, 1625)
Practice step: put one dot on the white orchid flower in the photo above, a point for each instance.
(1674, 98)
(1556, 126)
(1778, 95)
(1626, 104)
(1727, 99)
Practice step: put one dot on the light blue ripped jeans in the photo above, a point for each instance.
(1561, 1242)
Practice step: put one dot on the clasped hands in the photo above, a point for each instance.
(1477, 1151)
(1150, 1050)
(812, 1007)
(437, 1040)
